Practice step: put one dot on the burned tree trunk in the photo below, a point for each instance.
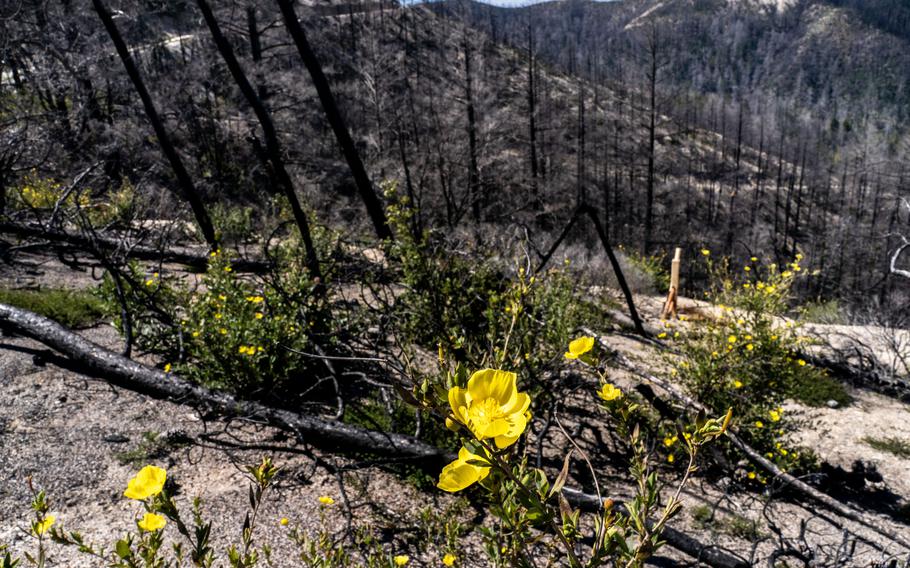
(273, 145)
(183, 177)
(361, 179)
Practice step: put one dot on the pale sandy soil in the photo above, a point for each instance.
(65, 430)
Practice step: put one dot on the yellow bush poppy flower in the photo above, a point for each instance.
(401, 559)
(449, 559)
(579, 347)
(326, 500)
(147, 483)
(152, 522)
(42, 526)
(284, 521)
(491, 406)
(775, 415)
(460, 474)
(609, 392)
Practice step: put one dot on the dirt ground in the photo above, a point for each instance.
(81, 440)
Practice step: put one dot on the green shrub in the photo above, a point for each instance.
(251, 337)
(748, 358)
(70, 308)
(896, 446)
(653, 267)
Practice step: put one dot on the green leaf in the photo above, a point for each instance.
(563, 475)
(123, 549)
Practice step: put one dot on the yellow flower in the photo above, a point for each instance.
(747, 268)
(42, 526)
(228, 269)
(775, 415)
(167, 367)
(255, 299)
(461, 474)
(671, 458)
(751, 475)
(705, 252)
(754, 259)
(491, 406)
(661, 335)
(147, 483)
(737, 384)
(284, 521)
(579, 347)
(449, 559)
(195, 334)
(749, 347)
(731, 339)
(801, 363)
(326, 500)
(242, 349)
(258, 315)
(222, 331)
(401, 559)
(668, 442)
(152, 522)
(609, 392)
(759, 424)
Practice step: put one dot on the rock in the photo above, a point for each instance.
(115, 439)
(832, 404)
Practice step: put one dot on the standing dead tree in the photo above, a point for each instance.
(333, 114)
(273, 145)
(592, 214)
(183, 177)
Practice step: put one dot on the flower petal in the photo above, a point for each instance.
(521, 404)
(457, 399)
(458, 475)
(495, 384)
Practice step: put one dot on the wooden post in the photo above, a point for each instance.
(670, 306)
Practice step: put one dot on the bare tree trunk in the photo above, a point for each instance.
(273, 145)
(361, 179)
(183, 177)
(473, 169)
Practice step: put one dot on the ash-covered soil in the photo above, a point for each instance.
(81, 439)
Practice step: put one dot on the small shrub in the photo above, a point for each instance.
(895, 446)
(653, 267)
(36, 192)
(747, 358)
(70, 308)
(245, 336)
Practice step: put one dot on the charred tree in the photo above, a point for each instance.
(183, 177)
(273, 145)
(333, 115)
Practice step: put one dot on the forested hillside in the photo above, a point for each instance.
(819, 89)
(361, 283)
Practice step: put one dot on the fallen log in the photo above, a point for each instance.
(754, 456)
(329, 435)
(92, 245)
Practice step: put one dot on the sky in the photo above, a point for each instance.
(510, 3)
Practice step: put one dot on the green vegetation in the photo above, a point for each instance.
(734, 525)
(151, 446)
(71, 308)
(748, 357)
(896, 446)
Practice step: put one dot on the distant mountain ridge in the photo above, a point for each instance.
(848, 59)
